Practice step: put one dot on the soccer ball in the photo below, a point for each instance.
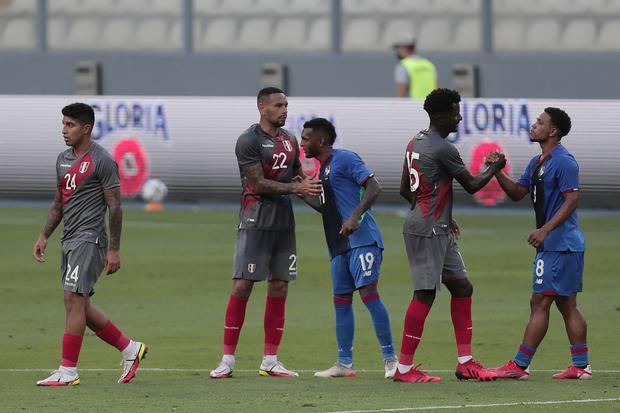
(154, 190)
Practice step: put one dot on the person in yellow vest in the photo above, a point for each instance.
(414, 75)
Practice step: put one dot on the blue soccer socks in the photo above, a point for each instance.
(381, 321)
(345, 329)
(579, 355)
(524, 355)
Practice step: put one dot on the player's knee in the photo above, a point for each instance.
(540, 302)
(73, 302)
(277, 288)
(242, 288)
(424, 296)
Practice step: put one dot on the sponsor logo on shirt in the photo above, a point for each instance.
(267, 145)
(65, 165)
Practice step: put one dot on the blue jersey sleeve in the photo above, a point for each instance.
(526, 178)
(567, 174)
(358, 169)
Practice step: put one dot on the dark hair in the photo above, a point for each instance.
(560, 119)
(324, 126)
(441, 100)
(267, 91)
(81, 112)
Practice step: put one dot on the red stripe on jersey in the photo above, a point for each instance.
(72, 179)
(444, 194)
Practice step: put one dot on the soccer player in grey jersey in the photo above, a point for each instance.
(431, 163)
(268, 158)
(87, 185)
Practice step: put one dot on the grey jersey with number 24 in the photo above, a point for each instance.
(81, 180)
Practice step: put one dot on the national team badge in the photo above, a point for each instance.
(251, 268)
(84, 167)
(541, 172)
(287, 146)
(326, 171)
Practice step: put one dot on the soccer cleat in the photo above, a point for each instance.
(474, 370)
(223, 371)
(511, 370)
(276, 369)
(573, 372)
(337, 370)
(58, 378)
(130, 365)
(415, 376)
(390, 368)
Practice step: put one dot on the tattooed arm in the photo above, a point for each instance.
(262, 185)
(113, 200)
(53, 219)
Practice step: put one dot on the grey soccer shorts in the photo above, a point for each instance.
(433, 260)
(81, 265)
(265, 255)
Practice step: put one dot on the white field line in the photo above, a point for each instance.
(482, 406)
(195, 370)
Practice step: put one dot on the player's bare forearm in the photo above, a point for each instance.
(514, 191)
(405, 187)
(571, 203)
(55, 215)
(262, 185)
(371, 194)
(115, 210)
(313, 201)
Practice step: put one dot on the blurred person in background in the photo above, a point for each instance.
(415, 76)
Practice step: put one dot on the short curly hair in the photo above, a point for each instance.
(441, 100)
(560, 119)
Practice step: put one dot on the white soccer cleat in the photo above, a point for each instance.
(60, 378)
(223, 371)
(130, 364)
(337, 370)
(390, 368)
(276, 369)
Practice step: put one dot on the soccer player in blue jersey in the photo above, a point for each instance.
(552, 180)
(353, 240)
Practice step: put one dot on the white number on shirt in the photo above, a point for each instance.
(414, 178)
(279, 157)
(70, 182)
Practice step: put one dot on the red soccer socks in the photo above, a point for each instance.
(113, 336)
(235, 315)
(71, 346)
(274, 324)
(412, 334)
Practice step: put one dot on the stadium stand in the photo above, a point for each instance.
(367, 25)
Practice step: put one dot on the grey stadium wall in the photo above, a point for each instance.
(188, 142)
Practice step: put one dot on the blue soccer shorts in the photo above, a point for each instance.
(558, 273)
(356, 268)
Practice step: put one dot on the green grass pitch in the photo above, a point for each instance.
(174, 284)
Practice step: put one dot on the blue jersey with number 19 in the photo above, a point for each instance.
(343, 177)
(547, 179)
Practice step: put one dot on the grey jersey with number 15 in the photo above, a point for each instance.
(431, 162)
